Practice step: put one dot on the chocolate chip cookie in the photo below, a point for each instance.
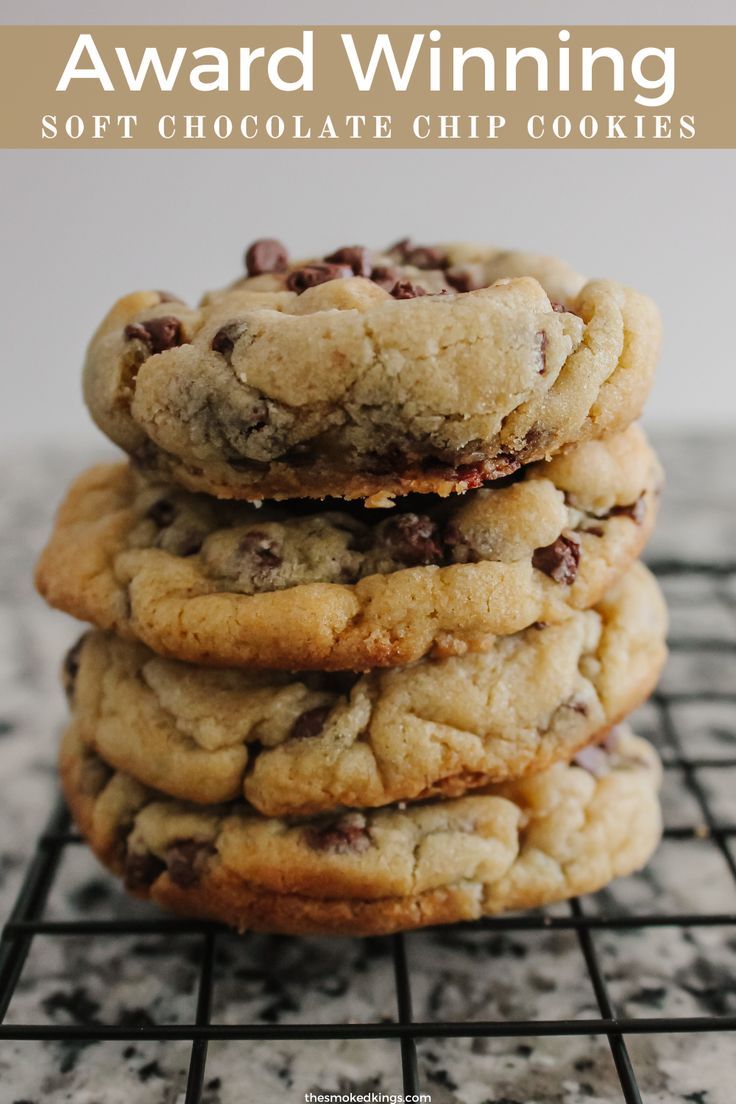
(556, 834)
(301, 744)
(336, 586)
(359, 375)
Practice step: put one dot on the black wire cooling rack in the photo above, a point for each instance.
(27, 921)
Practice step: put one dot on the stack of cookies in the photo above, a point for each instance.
(366, 606)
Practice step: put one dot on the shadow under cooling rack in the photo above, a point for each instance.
(583, 920)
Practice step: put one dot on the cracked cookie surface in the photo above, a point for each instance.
(563, 832)
(332, 378)
(302, 744)
(342, 587)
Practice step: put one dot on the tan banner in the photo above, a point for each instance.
(653, 87)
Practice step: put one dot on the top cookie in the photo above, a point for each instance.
(429, 369)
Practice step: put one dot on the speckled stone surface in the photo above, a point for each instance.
(457, 974)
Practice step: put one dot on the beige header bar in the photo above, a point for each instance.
(551, 87)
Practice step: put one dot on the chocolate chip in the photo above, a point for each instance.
(162, 512)
(534, 439)
(70, 668)
(158, 334)
(505, 463)
(594, 530)
(412, 539)
(474, 475)
(426, 256)
(312, 275)
(347, 835)
(386, 276)
(186, 859)
(400, 250)
(254, 558)
(136, 331)
(259, 547)
(266, 255)
(460, 279)
(558, 560)
(310, 723)
(635, 510)
(142, 869)
(542, 351)
(405, 289)
(356, 256)
(420, 256)
(224, 340)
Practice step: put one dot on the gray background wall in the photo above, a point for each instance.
(81, 228)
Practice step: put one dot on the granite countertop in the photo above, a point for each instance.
(456, 973)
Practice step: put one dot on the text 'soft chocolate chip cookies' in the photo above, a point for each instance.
(298, 744)
(556, 834)
(304, 586)
(359, 375)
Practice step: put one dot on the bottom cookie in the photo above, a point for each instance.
(566, 831)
